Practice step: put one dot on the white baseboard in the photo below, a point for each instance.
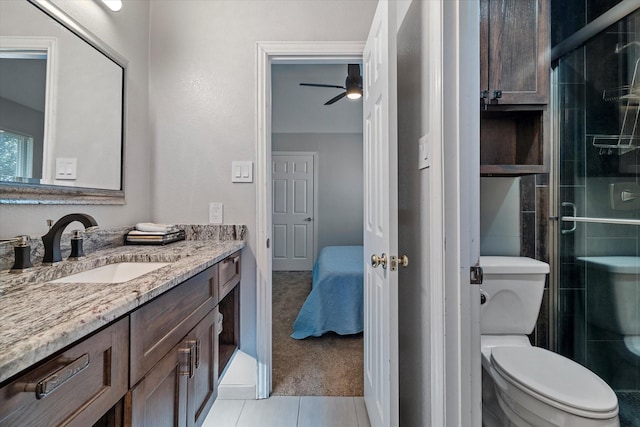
(239, 378)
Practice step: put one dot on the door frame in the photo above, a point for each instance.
(268, 53)
(314, 154)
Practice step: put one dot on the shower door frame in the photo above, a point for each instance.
(576, 40)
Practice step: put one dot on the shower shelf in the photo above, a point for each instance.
(629, 98)
(629, 93)
(608, 143)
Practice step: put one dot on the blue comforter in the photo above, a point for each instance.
(336, 299)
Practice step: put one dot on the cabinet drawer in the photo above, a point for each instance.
(229, 274)
(160, 324)
(73, 388)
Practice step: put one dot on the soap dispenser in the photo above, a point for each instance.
(22, 251)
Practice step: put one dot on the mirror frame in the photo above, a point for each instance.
(35, 194)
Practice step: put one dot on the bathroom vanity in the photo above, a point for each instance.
(134, 352)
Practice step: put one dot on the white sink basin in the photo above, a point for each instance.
(113, 273)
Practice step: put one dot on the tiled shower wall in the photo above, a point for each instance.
(534, 241)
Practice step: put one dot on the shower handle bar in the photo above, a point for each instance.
(619, 221)
(575, 214)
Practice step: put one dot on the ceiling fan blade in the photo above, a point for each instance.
(321, 85)
(336, 98)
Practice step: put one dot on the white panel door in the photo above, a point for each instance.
(381, 219)
(293, 207)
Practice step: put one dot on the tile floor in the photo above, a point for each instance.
(289, 411)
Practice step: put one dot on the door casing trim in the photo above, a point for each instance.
(268, 53)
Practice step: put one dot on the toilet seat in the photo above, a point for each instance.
(556, 380)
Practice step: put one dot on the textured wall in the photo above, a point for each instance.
(203, 103)
(127, 32)
(340, 186)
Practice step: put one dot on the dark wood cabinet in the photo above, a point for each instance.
(180, 389)
(158, 325)
(515, 51)
(158, 366)
(229, 305)
(176, 348)
(202, 388)
(514, 80)
(75, 387)
(160, 399)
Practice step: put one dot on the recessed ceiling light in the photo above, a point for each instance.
(114, 5)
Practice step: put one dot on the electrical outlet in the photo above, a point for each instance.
(215, 213)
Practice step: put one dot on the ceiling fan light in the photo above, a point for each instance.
(354, 93)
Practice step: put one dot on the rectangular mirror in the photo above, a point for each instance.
(61, 109)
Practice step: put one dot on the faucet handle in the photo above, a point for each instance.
(22, 241)
(77, 234)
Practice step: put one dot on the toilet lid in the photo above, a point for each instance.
(556, 377)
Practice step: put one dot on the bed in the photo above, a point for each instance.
(335, 303)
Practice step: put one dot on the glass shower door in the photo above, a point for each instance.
(597, 93)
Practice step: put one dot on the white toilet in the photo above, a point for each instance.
(524, 385)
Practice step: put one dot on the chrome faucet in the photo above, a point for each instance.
(51, 240)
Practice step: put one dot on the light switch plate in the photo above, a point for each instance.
(241, 171)
(66, 168)
(215, 213)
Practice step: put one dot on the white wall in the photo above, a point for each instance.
(340, 186)
(203, 98)
(301, 109)
(500, 216)
(414, 333)
(128, 33)
(460, 162)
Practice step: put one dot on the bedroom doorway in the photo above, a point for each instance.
(316, 149)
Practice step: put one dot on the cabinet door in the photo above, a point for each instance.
(160, 324)
(203, 385)
(514, 51)
(160, 399)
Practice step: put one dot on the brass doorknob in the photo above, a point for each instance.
(379, 260)
(403, 261)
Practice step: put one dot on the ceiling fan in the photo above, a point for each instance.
(352, 85)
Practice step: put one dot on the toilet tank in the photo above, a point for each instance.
(513, 288)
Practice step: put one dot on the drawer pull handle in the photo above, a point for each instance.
(234, 260)
(196, 346)
(193, 357)
(47, 385)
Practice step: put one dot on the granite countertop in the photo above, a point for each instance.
(39, 318)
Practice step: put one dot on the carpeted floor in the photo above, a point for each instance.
(330, 365)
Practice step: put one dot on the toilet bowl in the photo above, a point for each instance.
(613, 288)
(525, 385)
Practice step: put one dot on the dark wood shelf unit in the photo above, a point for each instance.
(229, 338)
(512, 142)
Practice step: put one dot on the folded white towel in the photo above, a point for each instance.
(149, 233)
(152, 227)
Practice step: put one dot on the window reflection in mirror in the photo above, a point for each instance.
(60, 98)
(23, 75)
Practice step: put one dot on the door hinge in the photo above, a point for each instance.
(475, 276)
